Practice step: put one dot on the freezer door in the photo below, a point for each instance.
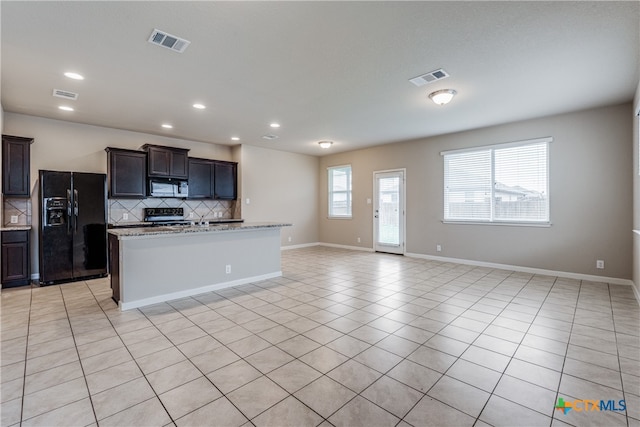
(55, 240)
(89, 209)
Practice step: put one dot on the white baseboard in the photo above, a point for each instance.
(190, 292)
(328, 245)
(636, 292)
(566, 274)
(353, 248)
(303, 245)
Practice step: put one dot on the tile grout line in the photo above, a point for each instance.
(615, 336)
(564, 359)
(26, 353)
(477, 419)
(133, 359)
(515, 351)
(316, 286)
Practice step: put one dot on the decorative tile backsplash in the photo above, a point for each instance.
(19, 207)
(207, 209)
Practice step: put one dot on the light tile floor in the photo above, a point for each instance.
(343, 338)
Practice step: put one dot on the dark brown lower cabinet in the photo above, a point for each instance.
(16, 269)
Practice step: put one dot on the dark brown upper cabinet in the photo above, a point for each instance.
(200, 178)
(225, 180)
(167, 162)
(126, 173)
(16, 152)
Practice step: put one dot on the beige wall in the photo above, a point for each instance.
(281, 187)
(636, 192)
(590, 196)
(60, 145)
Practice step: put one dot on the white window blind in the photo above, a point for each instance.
(502, 183)
(340, 192)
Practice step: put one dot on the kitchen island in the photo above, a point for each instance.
(157, 264)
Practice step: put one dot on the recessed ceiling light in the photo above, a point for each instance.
(65, 108)
(167, 126)
(235, 138)
(74, 76)
(269, 136)
(325, 144)
(199, 106)
(275, 125)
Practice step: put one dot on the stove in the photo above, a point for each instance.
(165, 216)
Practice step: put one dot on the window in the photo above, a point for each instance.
(502, 183)
(340, 192)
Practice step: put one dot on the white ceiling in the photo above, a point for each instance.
(324, 70)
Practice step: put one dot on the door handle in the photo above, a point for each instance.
(69, 215)
(75, 208)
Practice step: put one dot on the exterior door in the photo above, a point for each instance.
(388, 212)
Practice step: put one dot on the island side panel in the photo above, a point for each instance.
(156, 269)
(114, 266)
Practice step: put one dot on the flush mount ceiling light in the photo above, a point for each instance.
(167, 126)
(199, 106)
(325, 144)
(65, 108)
(443, 96)
(74, 76)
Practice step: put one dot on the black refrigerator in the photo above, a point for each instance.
(73, 226)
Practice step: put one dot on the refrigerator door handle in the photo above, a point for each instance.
(75, 209)
(68, 211)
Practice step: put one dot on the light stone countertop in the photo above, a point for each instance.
(15, 228)
(141, 232)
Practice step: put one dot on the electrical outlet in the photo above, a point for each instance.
(289, 238)
(14, 219)
(227, 269)
(248, 201)
(600, 264)
(359, 240)
(190, 214)
(438, 248)
(125, 216)
(368, 201)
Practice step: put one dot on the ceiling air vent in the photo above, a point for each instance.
(270, 136)
(430, 77)
(65, 94)
(167, 40)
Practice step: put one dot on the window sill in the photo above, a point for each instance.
(500, 223)
(340, 217)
